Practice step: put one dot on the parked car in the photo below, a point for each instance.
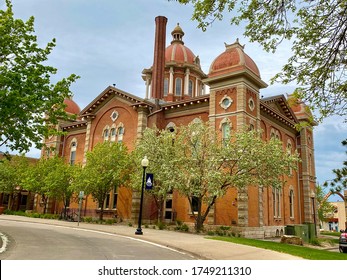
(343, 242)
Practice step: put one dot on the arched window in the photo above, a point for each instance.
(120, 132)
(190, 88)
(113, 134)
(178, 91)
(73, 148)
(166, 86)
(225, 132)
(171, 127)
(106, 133)
(291, 203)
(276, 202)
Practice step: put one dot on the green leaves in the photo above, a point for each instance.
(197, 163)
(316, 31)
(27, 96)
(339, 183)
(107, 167)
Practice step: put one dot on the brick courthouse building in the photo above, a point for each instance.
(175, 95)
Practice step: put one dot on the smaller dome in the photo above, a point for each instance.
(177, 51)
(233, 59)
(71, 106)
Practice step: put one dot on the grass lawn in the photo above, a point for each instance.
(300, 251)
(331, 233)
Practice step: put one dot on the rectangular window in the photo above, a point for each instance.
(190, 88)
(72, 157)
(291, 203)
(195, 204)
(166, 87)
(114, 203)
(178, 91)
(107, 201)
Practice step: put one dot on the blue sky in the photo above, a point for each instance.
(110, 42)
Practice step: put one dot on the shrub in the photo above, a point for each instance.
(315, 242)
(161, 226)
(181, 227)
(88, 220)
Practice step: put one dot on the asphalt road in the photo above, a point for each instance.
(32, 241)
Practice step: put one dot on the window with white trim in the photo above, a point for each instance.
(190, 88)
(291, 203)
(73, 148)
(120, 132)
(166, 86)
(276, 202)
(178, 88)
(113, 133)
(106, 133)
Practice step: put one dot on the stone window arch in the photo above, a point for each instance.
(171, 127)
(73, 150)
(120, 132)
(225, 127)
(113, 133)
(106, 133)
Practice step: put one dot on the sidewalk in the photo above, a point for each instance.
(196, 245)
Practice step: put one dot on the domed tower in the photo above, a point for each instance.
(182, 75)
(71, 107)
(53, 144)
(234, 81)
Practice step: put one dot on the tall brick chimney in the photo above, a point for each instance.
(159, 58)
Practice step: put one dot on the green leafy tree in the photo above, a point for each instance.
(339, 183)
(315, 29)
(202, 168)
(325, 208)
(59, 179)
(34, 180)
(106, 169)
(158, 146)
(50, 178)
(11, 175)
(28, 99)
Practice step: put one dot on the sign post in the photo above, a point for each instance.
(80, 199)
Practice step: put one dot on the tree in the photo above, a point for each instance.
(59, 179)
(11, 176)
(28, 99)
(317, 31)
(158, 147)
(325, 208)
(34, 180)
(202, 167)
(106, 169)
(339, 183)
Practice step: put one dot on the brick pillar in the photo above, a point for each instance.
(159, 58)
(242, 204)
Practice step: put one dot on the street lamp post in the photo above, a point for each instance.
(144, 163)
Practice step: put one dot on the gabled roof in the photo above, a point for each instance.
(278, 107)
(107, 94)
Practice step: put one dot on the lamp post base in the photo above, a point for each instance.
(139, 231)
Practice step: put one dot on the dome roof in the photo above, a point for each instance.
(233, 59)
(177, 51)
(71, 106)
